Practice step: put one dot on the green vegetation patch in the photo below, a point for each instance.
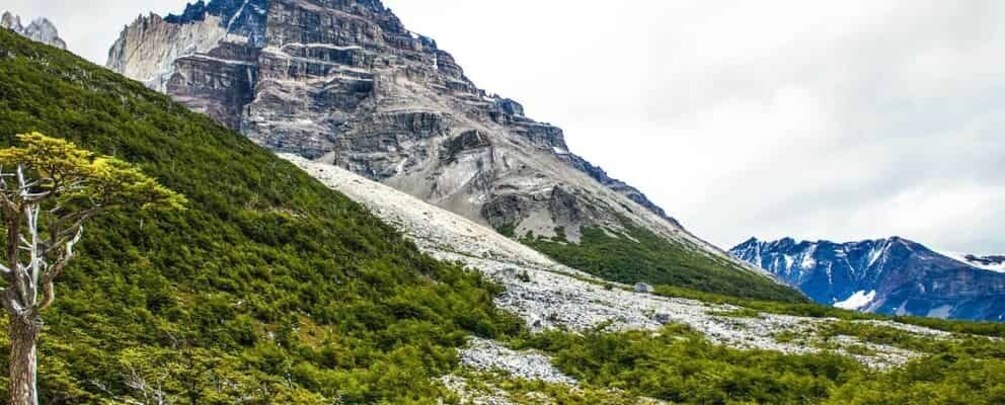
(679, 365)
(269, 288)
(814, 310)
(638, 255)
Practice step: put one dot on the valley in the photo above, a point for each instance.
(365, 225)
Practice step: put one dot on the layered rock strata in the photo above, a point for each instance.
(345, 83)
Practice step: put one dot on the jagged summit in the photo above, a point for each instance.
(231, 35)
(892, 275)
(11, 22)
(39, 30)
(347, 53)
(344, 82)
(240, 17)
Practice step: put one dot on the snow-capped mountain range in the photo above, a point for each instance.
(891, 276)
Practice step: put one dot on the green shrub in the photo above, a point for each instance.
(638, 255)
(679, 365)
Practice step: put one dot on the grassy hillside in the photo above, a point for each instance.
(270, 288)
(639, 255)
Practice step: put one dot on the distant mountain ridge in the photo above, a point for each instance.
(889, 276)
(39, 30)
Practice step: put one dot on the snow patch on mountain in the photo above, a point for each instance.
(997, 265)
(877, 253)
(857, 301)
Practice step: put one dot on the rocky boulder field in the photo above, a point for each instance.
(548, 295)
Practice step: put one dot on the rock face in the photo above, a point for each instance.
(891, 276)
(40, 30)
(344, 82)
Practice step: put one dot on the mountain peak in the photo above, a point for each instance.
(39, 30)
(346, 83)
(228, 38)
(11, 22)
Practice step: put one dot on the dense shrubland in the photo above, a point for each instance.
(269, 288)
(679, 365)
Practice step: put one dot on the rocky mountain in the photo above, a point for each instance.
(890, 276)
(344, 82)
(272, 288)
(39, 30)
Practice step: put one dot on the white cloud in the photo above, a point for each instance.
(827, 119)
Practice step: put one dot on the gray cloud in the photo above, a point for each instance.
(839, 120)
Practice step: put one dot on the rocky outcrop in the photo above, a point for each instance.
(196, 60)
(890, 276)
(39, 30)
(345, 83)
(986, 260)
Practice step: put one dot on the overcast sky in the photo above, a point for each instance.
(839, 120)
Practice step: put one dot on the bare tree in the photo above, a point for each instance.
(48, 189)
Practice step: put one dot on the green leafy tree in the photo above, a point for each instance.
(48, 189)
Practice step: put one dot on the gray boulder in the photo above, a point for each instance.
(644, 288)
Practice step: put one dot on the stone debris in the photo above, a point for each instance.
(888, 356)
(488, 355)
(549, 295)
(644, 288)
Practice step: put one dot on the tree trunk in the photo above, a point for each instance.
(24, 332)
